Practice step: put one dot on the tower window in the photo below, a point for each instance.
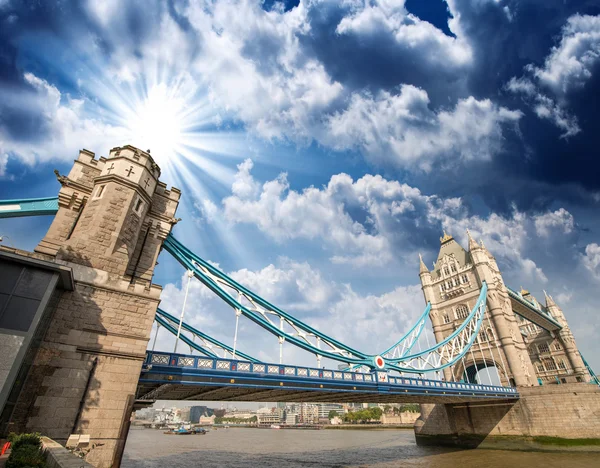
(446, 271)
(557, 346)
(100, 191)
(543, 348)
(549, 364)
(464, 279)
(453, 268)
(462, 311)
(455, 280)
(139, 206)
(562, 365)
(446, 318)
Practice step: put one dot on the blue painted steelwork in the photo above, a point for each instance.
(28, 207)
(166, 320)
(530, 306)
(405, 344)
(452, 349)
(203, 271)
(593, 377)
(440, 356)
(162, 368)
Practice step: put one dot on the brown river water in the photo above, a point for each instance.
(265, 448)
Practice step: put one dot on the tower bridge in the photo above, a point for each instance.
(76, 316)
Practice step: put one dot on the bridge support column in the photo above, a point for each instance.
(113, 217)
(542, 415)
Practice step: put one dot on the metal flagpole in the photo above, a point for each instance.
(190, 273)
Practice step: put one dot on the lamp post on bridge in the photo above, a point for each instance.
(190, 273)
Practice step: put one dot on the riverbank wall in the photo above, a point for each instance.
(565, 417)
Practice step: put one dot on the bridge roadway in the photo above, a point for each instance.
(168, 376)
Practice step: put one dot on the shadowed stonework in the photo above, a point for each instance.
(113, 216)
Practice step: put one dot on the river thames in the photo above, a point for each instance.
(148, 448)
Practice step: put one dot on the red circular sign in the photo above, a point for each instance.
(379, 362)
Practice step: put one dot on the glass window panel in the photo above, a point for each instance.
(9, 274)
(33, 284)
(19, 313)
(3, 301)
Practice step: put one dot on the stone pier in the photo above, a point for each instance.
(570, 412)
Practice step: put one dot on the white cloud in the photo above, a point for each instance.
(372, 221)
(63, 126)
(377, 17)
(403, 129)
(591, 259)
(507, 238)
(567, 67)
(560, 220)
(545, 107)
(3, 161)
(384, 212)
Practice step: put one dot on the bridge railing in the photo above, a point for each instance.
(185, 363)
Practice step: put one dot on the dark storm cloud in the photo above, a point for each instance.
(506, 42)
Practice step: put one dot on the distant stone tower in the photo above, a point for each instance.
(113, 217)
(453, 288)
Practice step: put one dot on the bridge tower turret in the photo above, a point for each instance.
(114, 214)
(567, 338)
(452, 288)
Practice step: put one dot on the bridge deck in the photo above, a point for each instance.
(183, 377)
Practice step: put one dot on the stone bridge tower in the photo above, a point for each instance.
(453, 288)
(114, 214)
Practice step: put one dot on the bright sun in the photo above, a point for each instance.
(157, 123)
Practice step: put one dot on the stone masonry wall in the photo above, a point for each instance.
(113, 217)
(89, 324)
(570, 411)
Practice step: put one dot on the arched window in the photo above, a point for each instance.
(446, 271)
(453, 268)
(462, 311)
(446, 318)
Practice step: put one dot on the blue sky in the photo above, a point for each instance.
(321, 145)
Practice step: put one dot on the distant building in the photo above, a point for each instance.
(268, 416)
(291, 418)
(197, 411)
(207, 420)
(324, 409)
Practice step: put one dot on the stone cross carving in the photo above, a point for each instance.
(130, 171)
(112, 166)
(147, 182)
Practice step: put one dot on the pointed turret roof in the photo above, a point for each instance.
(472, 244)
(449, 246)
(422, 267)
(549, 300)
